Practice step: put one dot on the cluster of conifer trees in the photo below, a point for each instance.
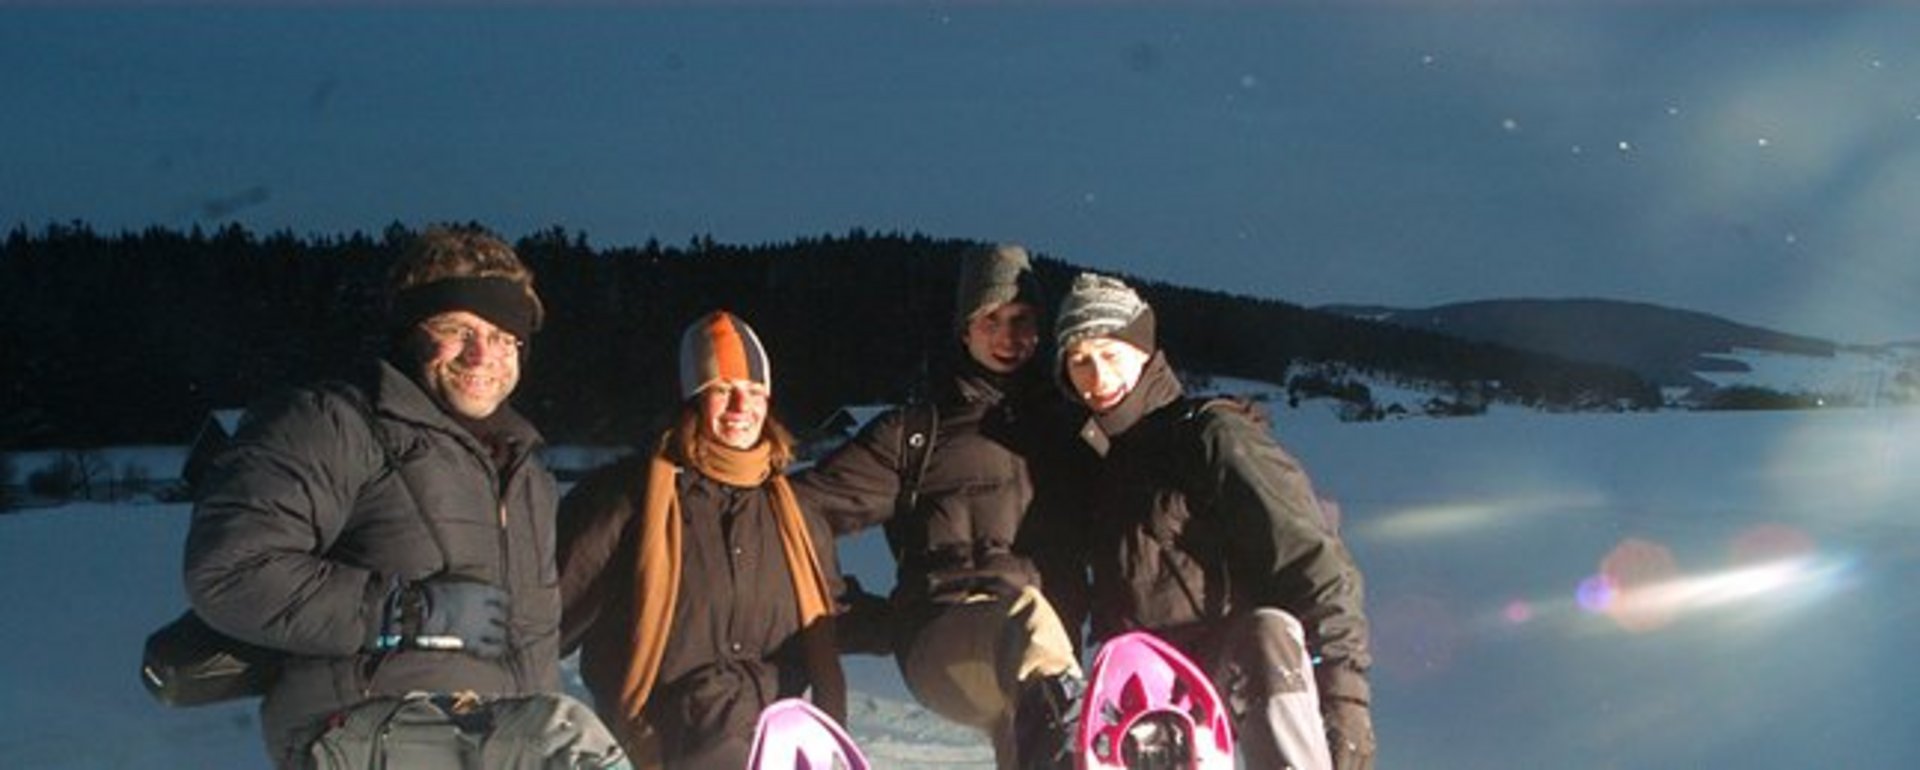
(132, 337)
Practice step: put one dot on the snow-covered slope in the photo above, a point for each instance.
(1664, 590)
(1851, 376)
(1689, 354)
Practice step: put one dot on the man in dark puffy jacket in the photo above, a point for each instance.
(978, 636)
(393, 533)
(1210, 535)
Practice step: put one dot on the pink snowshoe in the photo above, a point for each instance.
(1148, 707)
(793, 735)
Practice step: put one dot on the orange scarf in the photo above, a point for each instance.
(657, 584)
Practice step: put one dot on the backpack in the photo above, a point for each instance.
(464, 731)
(188, 663)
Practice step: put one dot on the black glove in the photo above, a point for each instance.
(865, 625)
(1349, 733)
(1046, 713)
(445, 613)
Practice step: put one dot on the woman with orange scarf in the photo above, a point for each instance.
(690, 580)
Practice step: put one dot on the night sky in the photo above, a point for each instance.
(1757, 161)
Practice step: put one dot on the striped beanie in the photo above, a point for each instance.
(1098, 306)
(719, 346)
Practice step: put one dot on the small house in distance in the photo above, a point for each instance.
(215, 431)
(833, 431)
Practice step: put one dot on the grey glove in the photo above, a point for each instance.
(445, 613)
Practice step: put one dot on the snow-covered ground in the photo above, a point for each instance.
(1859, 376)
(1666, 590)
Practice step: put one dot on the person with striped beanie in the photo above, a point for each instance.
(696, 588)
(722, 360)
(1210, 535)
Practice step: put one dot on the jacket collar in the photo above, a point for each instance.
(973, 383)
(395, 394)
(1158, 387)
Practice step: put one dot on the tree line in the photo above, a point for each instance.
(133, 337)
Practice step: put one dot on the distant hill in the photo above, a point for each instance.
(210, 320)
(1670, 347)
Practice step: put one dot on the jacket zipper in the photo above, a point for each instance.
(502, 493)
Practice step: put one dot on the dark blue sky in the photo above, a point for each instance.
(1757, 161)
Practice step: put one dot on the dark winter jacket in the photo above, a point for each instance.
(305, 519)
(1200, 514)
(734, 643)
(990, 501)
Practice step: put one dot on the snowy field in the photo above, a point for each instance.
(1673, 590)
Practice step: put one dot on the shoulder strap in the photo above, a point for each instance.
(1189, 420)
(1240, 405)
(394, 461)
(919, 423)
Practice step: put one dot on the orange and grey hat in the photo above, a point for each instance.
(718, 347)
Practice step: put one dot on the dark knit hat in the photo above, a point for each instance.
(1099, 306)
(991, 276)
(503, 302)
(720, 347)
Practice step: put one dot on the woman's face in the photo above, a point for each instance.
(735, 412)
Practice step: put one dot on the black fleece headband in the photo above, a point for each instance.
(502, 302)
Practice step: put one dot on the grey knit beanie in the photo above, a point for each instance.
(991, 276)
(1099, 306)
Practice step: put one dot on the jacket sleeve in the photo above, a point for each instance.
(592, 536)
(825, 552)
(274, 502)
(1280, 543)
(1057, 530)
(854, 487)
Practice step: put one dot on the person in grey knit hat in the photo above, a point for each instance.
(997, 307)
(990, 277)
(990, 584)
(1205, 478)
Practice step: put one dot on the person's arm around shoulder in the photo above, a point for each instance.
(272, 504)
(855, 486)
(592, 528)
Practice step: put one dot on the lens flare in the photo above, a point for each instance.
(1640, 586)
(1768, 543)
(1633, 568)
(1594, 594)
